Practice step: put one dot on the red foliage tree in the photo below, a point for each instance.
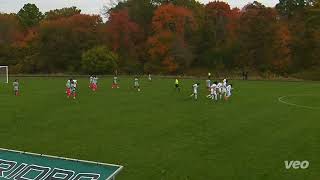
(122, 31)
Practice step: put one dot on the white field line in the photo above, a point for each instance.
(280, 99)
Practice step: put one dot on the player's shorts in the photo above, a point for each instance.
(176, 85)
(136, 85)
(68, 91)
(228, 94)
(224, 90)
(15, 89)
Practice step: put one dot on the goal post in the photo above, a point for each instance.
(4, 74)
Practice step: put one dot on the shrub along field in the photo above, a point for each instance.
(159, 133)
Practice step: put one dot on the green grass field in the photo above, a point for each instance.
(159, 134)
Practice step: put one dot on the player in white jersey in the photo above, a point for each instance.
(228, 93)
(213, 92)
(136, 83)
(73, 88)
(68, 88)
(224, 87)
(115, 82)
(149, 77)
(16, 87)
(208, 84)
(219, 90)
(95, 83)
(90, 82)
(75, 83)
(195, 91)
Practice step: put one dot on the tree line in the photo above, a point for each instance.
(164, 37)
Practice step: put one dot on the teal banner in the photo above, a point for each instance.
(17, 165)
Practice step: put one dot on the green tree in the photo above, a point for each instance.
(30, 15)
(290, 8)
(99, 60)
(59, 13)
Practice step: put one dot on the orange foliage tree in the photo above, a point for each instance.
(168, 47)
(263, 39)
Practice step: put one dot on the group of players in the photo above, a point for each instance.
(218, 90)
(71, 88)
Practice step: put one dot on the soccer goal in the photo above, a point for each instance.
(4, 74)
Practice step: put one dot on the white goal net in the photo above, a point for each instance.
(4, 74)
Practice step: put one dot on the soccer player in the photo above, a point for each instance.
(91, 82)
(73, 88)
(176, 84)
(195, 91)
(219, 90)
(213, 92)
(228, 94)
(75, 82)
(208, 83)
(115, 82)
(16, 87)
(149, 77)
(68, 88)
(136, 83)
(95, 83)
(224, 87)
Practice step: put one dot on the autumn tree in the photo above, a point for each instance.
(263, 40)
(124, 36)
(10, 29)
(62, 41)
(302, 18)
(167, 46)
(11, 32)
(218, 34)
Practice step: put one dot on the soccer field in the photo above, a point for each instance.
(160, 134)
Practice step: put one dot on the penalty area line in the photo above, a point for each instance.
(280, 99)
